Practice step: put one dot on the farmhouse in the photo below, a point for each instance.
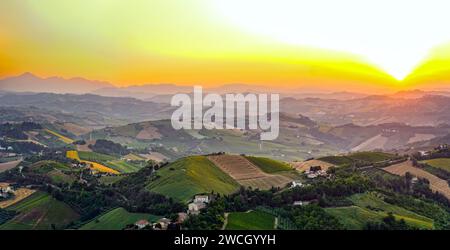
(424, 153)
(201, 198)
(297, 183)
(301, 203)
(195, 207)
(5, 191)
(164, 223)
(140, 224)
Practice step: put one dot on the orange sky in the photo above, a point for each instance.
(142, 42)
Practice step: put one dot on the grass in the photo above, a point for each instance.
(371, 207)
(63, 138)
(93, 156)
(441, 163)
(269, 165)
(186, 177)
(253, 220)
(40, 211)
(117, 219)
(337, 160)
(369, 157)
(43, 167)
(123, 166)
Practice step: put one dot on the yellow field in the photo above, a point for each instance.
(72, 154)
(61, 137)
(19, 195)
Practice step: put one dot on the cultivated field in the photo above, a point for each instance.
(252, 220)
(192, 175)
(19, 195)
(441, 163)
(306, 165)
(371, 207)
(63, 138)
(247, 173)
(436, 184)
(9, 165)
(94, 165)
(117, 219)
(40, 211)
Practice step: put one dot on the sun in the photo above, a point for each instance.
(393, 35)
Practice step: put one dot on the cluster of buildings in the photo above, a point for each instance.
(441, 148)
(6, 191)
(6, 151)
(161, 224)
(198, 203)
(313, 173)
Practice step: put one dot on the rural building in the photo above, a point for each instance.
(424, 153)
(301, 203)
(5, 190)
(141, 224)
(195, 207)
(297, 183)
(201, 198)
(164, 223)
(182, 217)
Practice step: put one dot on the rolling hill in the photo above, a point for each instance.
(40, 211)
(117, 219)
(188, 176)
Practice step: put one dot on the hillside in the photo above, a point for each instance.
(371, 207)
(192, 175)
(40, 211)
(117, 219)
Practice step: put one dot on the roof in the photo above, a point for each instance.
(142, 222)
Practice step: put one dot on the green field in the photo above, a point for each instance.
(40, 211)
(58, 172)
(110, 161)
(269, 165)
(97, 157)
(254, 220)
(369, 157)
(117, 219)
(122, 166)
(43, 167)
(441, 163)
(186, 177)
(371, 207)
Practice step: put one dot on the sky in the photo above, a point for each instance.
(352, 45)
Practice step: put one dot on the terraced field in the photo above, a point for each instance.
(192, 175)
(247, 173)
(117, 219)
(436, 184)
(40, 211)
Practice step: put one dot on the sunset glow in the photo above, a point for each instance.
(324, 45)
